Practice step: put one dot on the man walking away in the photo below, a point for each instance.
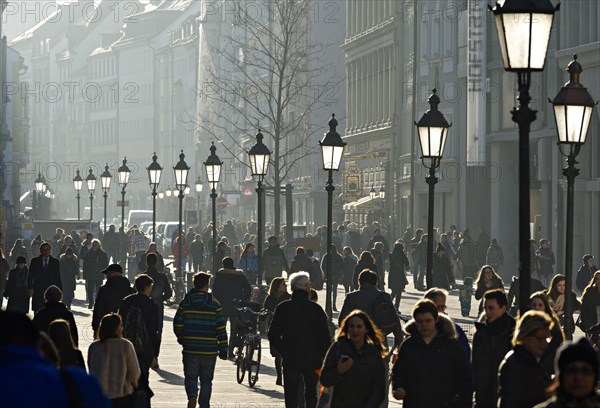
(161, 292)
(111, 294)
(140, 326)
(299, 333)
(200, 328)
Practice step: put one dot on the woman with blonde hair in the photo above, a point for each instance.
(112, 360)
(354, 364)
(523, 380)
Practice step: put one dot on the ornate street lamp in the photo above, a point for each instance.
(433, 132)
(78, 184)
(154, 172)
(91, 185)
(332, 149)
(213, 175)
(573, 106)
(40, 187)
(199, 186)
(372, 193)
(106, 178)
(259, 156)
(168, 191)
(523, 29)
(382, 193)
(123, 173)
(182, 171)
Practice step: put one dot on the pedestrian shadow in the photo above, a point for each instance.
(76, 313)
(169, 377)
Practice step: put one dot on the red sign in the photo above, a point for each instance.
(222, 203)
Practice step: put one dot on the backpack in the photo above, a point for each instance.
(384, 314)
(134, 329)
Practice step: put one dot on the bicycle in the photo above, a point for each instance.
(178, 284)
(248, 353)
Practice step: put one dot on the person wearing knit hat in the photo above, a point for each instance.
(576, 367)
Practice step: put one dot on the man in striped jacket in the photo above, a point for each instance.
(200, 328)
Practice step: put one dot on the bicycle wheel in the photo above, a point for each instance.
(240, 362)
(254, 363)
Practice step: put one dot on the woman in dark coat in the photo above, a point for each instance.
(54, 309)
(397, 276)
(69, 271)
(487, 279)
(523, 381)
(442, 269)
(16, 287)
(277, 294)
(365, 261)
(18, 250)
(431, 370)
(354, 364)
(539, 301)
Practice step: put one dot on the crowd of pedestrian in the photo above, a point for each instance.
(427, 362)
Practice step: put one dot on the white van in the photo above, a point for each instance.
(137, 217)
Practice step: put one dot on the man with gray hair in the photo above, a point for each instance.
(299, 333)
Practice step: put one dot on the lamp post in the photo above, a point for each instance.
(259, 156)
(154, 172)
(123, 172)
(91, 185)
(106, 178)
(523, 29)
(40, 187)
(433, 132)
(199, 187)
(332, 149)
(78, 184)
(213, 174)
(181, 174)
(372, 193)
(573, 107)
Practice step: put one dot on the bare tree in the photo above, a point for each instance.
(267, 73)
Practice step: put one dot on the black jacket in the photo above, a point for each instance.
(589, 302)
(442, 272)
(52, 311)
(523, 381)
(299, 332)
(110, 296)
(491, 342)
(435, 374)
(337, 266)
(94, 262)
(39, 281)
(359, 268)
(363, 385)
(398, 266)
(301, 262)
(150, 314)
(161, 290)
(229, 285)
(348, 270)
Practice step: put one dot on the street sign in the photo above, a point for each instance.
(123, 203)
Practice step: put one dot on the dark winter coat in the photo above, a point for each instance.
(435, 374)
(301, 262)
(16, 291)
(110, 296)
(513, 293)
(272, 301)
(584, 276)
(273, 262)
(111, 241)
(589, 302)
(364, 299)
(363, 385)
(149, 311)
(52, 311)
(69, 272)
(161, 290)
(481, 289)
(160, 263)
(491, 342)
(359, 268)
(397, 280)
(4, 269)
(299, 332)
(378, 238)
(94, 263)
(355, 241)
(442, 272)
(229, 285)
(337, 266)
(522, 380)
(546, 260)
(348, 269)
(39, 280)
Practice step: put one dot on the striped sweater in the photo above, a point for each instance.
(200, 326)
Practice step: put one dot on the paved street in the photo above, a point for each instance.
(167, 382)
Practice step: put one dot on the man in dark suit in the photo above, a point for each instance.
(44, 271)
